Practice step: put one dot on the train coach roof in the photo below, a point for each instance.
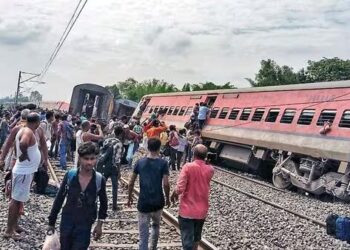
(301, 86)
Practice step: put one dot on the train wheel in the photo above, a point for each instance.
(282, 180)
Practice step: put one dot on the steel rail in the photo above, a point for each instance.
(168, 217)
(249, 179)
(315, 221)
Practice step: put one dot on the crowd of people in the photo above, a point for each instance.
(29, 137)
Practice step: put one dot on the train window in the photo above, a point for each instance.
(156, 109)
(189, 111)
(146, 109)
(214, 112)
(272, 115)
(345, 119)
(288, 116)
(182, 110)
(223, 113)
(245, 114)
(326, 116)
(166, 110)
(177, 108)
(171, 109)
(233, 115)
(306, 116)
(150, 110)
(258, 114)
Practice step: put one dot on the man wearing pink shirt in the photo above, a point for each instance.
(193, 188)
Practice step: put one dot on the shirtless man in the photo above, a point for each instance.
(28, 160)
(39, 133)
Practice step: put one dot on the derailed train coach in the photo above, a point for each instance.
(303, 129)
(95, 101)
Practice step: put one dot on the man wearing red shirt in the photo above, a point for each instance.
(193, 187)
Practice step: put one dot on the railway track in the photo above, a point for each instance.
(266, 201)
(125, 220)
(249, 179)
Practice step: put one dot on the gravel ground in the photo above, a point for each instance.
(34, 221)
(309, 206)
(38, 208)
(238, 222)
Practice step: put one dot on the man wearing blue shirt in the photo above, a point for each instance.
(202, 114)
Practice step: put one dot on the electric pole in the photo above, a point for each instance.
(19, 82)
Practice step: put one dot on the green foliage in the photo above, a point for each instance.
(186, 87)
(211, 86)
(114, 90)
(134, 90)
(35, 96)
(327, 69)
(271, 74)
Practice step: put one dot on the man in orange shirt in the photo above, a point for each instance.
(156, 129)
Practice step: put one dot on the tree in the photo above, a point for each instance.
(134, 90)
(328, 69)
(114, 90)
(271, 74)
(186, 87)
(209, 86)
(35, 96)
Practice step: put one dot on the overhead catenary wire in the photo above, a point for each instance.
(64, 36)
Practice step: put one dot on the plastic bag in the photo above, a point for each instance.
(52, 242)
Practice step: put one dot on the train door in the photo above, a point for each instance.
(210, 100)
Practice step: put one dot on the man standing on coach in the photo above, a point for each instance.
(154, 176)
(193, 187)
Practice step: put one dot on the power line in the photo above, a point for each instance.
(64, 36)
(61, 38)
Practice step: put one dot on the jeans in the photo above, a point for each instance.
(74, 236)
(201, 124)
(136, 146)
(54, 144)
(191, 232)
(114, 179)
(179, 158)
(63, 154)
(144, 221)
(173, 153)
(188, 156)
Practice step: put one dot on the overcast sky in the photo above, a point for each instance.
(178, 41)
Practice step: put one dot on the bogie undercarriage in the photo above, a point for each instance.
(313, 175)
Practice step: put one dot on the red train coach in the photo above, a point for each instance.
(304, 128)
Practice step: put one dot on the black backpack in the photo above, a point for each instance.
(41, 178)
(331, 224)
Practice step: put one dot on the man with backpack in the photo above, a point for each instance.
(66, 134)
(174, 144)
(108, 162)
(80, 189)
